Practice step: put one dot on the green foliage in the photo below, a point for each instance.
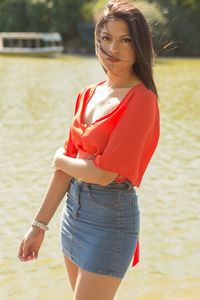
(13, 15)
(66, 15)
(39, 16)
(182, 31)
(44, 15)
(156, 20)
(175, 24)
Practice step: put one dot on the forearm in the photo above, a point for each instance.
(84, 170)
(57, 188)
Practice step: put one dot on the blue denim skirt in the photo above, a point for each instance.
(100, 226)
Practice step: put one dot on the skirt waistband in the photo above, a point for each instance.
(124, 185)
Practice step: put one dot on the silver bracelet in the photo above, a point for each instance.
(40, 225)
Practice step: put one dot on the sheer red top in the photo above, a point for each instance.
(123, 141)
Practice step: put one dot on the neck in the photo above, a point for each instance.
(122, 81)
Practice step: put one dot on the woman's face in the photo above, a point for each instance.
(117, 52)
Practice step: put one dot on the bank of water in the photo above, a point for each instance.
(36, 106)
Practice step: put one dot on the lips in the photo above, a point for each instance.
(113, 59)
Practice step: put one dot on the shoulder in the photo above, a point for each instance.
(142, 98)
(88, 88)
(142, 105)
(142, 93)
(83, 94)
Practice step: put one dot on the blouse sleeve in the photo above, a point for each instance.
(133, 139)
(70, 149)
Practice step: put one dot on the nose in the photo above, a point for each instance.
(114, 47)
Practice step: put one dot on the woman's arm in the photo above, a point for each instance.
(84, 170)
(32, 240)
(57, 188)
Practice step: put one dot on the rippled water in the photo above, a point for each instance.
(36, 105)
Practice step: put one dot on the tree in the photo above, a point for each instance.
(175, 24)
(39, 16)
(183, 27)
(13, 15)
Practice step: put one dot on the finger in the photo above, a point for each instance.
(25, 248)
(36, 253)
(20, 252)
(22, 258)
(29, 257)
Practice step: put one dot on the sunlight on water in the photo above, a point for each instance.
(36, 106)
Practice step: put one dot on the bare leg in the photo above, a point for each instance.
(90, 286)
(72, 271)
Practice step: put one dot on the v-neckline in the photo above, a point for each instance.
(108, 114)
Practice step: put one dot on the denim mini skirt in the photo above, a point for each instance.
(100, 226)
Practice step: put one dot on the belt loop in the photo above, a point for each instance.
(130, 185)
(89, 187)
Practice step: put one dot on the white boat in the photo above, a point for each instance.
(30, 43)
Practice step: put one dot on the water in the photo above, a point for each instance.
(36, 106)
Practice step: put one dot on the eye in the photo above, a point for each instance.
(105, 38)
(126, 40)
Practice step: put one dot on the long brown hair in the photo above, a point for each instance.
(140, 36)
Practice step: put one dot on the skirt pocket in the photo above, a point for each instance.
(104, 198)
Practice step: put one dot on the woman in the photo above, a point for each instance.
(112, 138)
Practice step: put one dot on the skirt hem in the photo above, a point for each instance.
(88, 268)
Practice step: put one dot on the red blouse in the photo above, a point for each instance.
(123, 141)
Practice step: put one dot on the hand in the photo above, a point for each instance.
(30, 244)
(57, 158)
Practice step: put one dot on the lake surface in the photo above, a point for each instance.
(37, 98)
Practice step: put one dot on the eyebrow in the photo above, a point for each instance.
(127, 34)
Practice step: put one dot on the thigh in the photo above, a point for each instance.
(72, 271)
(90, 286)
